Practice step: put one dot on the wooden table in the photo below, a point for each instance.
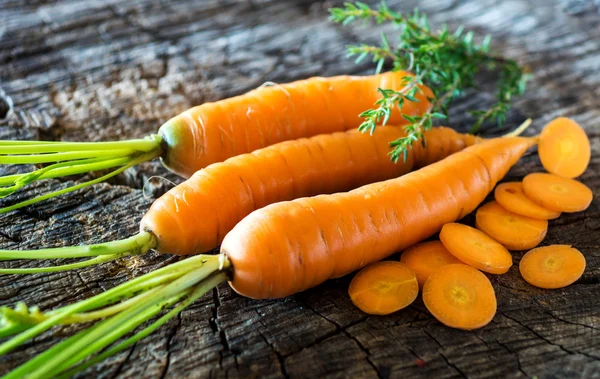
(105, 70)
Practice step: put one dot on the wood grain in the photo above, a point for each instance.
(105, 70)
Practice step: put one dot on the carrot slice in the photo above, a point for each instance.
(553, 266)
(514, 231)
(557, 193)
(564, 148)
(382, 288)
(512, 198)
(459, 296)
(475, 248)
(426, 257)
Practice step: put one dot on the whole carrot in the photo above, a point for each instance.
(276, 251)
(227, 192)
(195, 216)
(214, 132)
(289, 247)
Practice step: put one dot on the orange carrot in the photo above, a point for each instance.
(226, 192)
(382, 288)
(475, 248)
(557, 193)
(196, 215)
(288, 247)
(213, 132)
(514, 231)
(460, 296)
(564, 148)
(511, 197)
(553, 266)
(426, 257)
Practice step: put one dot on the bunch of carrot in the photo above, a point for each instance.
(449, 271)
(275, 243)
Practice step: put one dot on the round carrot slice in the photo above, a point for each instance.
(557, 193)
(514, 231)
(382, 288)
(460, 296)
(564, 148)
(475, 248)
(426, 257)
(553, 266)
(512, 198)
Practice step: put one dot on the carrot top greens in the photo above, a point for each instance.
(446, 62)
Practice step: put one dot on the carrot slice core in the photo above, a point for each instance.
(475, 248)
(553, 266)
(426, 257)
(564, 148)
(513, 231)
(512, 198)
(557, 193)
(384, 287)
(460, 296)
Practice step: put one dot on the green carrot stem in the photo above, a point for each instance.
(109, 330)
(195, 294)
(137, 244)
(66, 267)
(64, 169)
(67, 156)
(133, 287)
(133, 162)
(36, 147)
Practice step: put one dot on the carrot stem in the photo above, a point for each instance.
(72, 158)
(137, 244)
(37, 147)
(142, 298)
(134, 161)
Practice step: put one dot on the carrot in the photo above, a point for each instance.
(384, 287)
(556, 193)
(275, 251)
(213, 132)
(460, 296)
(195, 216)
(426, 257)
(291, 246)
(564, 148)
(553, 266)
(514, 231)
(511, 197)
(475, 248)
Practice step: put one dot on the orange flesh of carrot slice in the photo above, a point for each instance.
(553, 266)
(426, 257)
(514, 231)
(460, 296)
(475, 248)
(557, 193)
(512, 198)
(384, 287)
(564, 148)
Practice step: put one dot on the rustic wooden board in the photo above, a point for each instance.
(114, 69)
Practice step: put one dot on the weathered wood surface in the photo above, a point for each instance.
(100, 70)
